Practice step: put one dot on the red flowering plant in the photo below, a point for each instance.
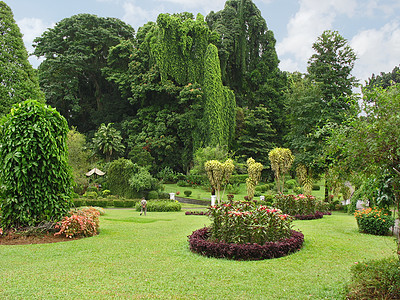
(245, 222)
(300, 205)
(82, 222)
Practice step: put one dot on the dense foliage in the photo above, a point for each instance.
(298, 206)
(374, 221)
(244, 222)
(35, 177)
(18, 81)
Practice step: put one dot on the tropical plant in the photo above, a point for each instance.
(218, 174)
(254, 170)
(108, 141)
(35, 179)
(281, 160)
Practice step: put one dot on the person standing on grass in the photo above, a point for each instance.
(143, 204)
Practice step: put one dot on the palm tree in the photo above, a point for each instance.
(108, 141)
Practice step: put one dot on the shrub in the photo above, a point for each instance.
(187, 193)
(161, 206)
(152, 195)
(373, 221)
(237, 179)
(79, 202)
(199, 242)
(130, 203)
(378, 279)
(262, 188)
(82, 222)
(119, 203)
(298, 190)
(244, 222)
(106, 193)
(316, 187)
(90, 195)
(183, 183)
(35, 179)
(197, 213)
(291, 183)
(101, 202)
(163, 195)
(299, 205)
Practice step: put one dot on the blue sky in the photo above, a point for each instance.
(372, 27)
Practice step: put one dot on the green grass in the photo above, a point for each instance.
(138, 257)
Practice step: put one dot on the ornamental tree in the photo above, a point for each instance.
(219, 174)
(35, 178)
(254, 170)
(281, 160)
(108, 141)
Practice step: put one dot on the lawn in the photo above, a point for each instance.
(138, 257)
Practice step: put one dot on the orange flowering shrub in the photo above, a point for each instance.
(373, 221)
(82, 222)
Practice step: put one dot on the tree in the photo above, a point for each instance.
(249, 63)
(281, 160)
(108, 141)
(218, 174)
(18, 81)
(219, 107)
(368, 144)
(331, 67)
(34, 175)
(384, 80)
(72, 76)
(254, 170)
(254, 134)
(78, 159)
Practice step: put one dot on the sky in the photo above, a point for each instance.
(371, 27)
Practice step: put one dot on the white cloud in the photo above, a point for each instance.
(32, 28)
(378, 50)
(313, 17)
(204, 6)
(137, 16)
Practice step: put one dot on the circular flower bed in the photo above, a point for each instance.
(199, 242)
(197, 213)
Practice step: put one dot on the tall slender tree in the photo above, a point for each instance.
(18, 81)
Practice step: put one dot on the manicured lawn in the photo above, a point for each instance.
(138, 257)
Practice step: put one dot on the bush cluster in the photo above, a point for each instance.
(82, 222)
(299, 205)
(201, 243)
(245, 222)
(373, 221)
(379, 279)
(161, 206)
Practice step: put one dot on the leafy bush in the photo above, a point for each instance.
(262, 188)
(152, 195)
(90, 195)
(316, 187)
(130, 202)
(377, 279)
(106, 193)
(82, 222)
(237, 179)
(291, 183)
(119, 203)
(35, 179)
(244, 222)
(163, 195)
(183, 183)
(161, 206)
(299, 205)
(101, 202)
(200, 242)
(373, 221)
(79, 202)
(187, 193)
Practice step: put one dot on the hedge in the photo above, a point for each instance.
(161, 206)
(199, 243)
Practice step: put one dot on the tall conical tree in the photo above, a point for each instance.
(18, 81)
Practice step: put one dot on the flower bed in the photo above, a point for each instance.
(374, 221)
(197, 213)
(317, 215)
(199, 243)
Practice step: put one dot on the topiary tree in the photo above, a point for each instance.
(219, 173)
(254, 170)
(35, 178)
(281, 160)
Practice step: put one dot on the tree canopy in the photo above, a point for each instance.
(18, 80)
